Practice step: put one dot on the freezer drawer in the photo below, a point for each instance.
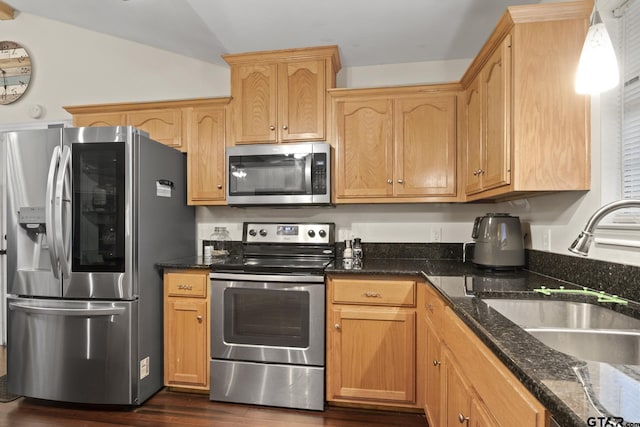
(72, 351)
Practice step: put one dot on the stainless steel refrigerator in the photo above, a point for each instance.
(89, 213)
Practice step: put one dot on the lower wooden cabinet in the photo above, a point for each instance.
(186, 329)
(371, 341)
(460, 403)
(462, 381)
(430, 312)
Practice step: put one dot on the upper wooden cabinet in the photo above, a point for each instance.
(165, 121)
(193, 125)
(206, 153)
(280, 96)
(395, 144)
(487, 106)
(525, 128)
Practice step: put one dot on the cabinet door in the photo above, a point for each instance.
(254, 103)
(371, 356)
(496, 89)
(473, 138)
(425, 144)
(480, 416)
(457, 397)
(206, 160)
(301, 100)
(433, 383)
(364, 141)
(99, 119)
(163, 125)
(186, 355)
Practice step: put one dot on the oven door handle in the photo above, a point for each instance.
(266, 277)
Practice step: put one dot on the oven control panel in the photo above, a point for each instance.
(281, 232)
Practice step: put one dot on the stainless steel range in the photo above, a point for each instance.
(268, 317)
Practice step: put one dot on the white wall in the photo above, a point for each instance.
(73, 66)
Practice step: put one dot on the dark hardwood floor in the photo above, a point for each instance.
(169, 408)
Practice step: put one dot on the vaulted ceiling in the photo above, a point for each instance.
(368, 32)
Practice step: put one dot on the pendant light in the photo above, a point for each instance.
(598, 67)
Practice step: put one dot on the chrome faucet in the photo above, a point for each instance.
(581, 245)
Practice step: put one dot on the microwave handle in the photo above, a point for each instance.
(308, 172)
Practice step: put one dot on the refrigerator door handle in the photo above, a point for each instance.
(84, 312)
(62, 213)
(49, 211)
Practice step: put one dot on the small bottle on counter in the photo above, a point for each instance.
(347, 256)
(357, 251)
(206, 253)
(348, 252)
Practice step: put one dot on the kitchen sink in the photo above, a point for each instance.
(608, 346)
(561, 314)
(585, 331)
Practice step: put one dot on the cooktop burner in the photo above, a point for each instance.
(289, 248)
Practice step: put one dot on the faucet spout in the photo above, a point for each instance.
(582, 243)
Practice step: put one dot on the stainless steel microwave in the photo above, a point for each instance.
(279, 174)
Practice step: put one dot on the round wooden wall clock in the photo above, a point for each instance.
(15, 71)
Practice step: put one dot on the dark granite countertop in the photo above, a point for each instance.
(197, 262)
(571, 389)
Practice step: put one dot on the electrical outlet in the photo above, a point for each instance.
(436, 234)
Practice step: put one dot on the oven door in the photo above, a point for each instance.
(276, 319)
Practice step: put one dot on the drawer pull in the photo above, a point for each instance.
(372, 294)
(436, 362)
(462, 418)
(185, 287)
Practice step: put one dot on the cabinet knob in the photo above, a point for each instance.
(400, 181)
(199, 318)
(475, 173)
(337, 326)
(462, 418)
(272, 127)
(219, 186)
(481, 172)
(285, 127)
(436, 362)
(389, 181)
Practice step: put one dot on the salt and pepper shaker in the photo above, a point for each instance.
(357, 251)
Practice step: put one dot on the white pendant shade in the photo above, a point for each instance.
(598, 67)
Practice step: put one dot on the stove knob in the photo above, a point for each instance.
(322, 233)
(252, 232)
(311, 233)
(263, 232)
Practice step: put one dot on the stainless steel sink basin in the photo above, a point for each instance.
(585, 331)
(608, 346)
(561, 314)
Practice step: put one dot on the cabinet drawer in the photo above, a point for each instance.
(434, 306)
(186, 284)
(400, 293)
